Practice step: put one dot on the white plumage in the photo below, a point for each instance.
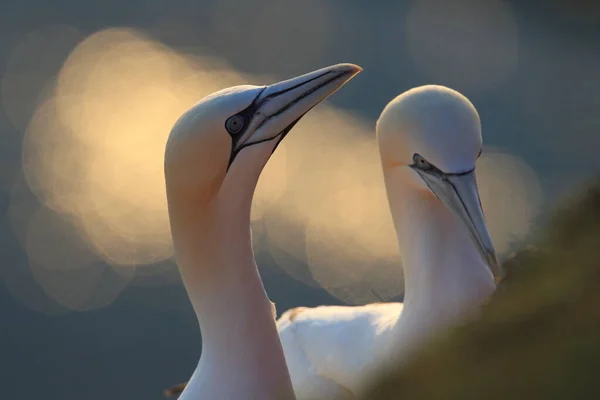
(429, 140)
(213, 159)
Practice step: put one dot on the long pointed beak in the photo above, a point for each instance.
(281, 105)
(459, 193)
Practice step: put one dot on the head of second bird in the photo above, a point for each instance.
(431, 137)
(430, 125)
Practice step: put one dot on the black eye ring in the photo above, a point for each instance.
(235, 124)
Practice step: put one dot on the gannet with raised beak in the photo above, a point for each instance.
(429, 140)
(214, 156)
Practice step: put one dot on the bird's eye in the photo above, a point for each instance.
(234, 124)
(421, 163)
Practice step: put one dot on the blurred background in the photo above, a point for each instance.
(91, 303)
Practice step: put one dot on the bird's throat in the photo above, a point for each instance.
(214, 253)
(445, 277)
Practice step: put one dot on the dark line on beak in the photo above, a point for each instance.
(305, 95)
(275, 94)
(250, 110)
(459, 173)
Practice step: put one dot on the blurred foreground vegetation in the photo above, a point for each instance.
(538, 338)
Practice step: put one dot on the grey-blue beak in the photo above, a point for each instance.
(459, 193)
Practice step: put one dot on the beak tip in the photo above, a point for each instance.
(349, 68)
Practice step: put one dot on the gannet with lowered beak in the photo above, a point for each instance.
(429, 141)
(213, 159)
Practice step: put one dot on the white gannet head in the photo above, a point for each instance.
(433, 134)
(233, 132)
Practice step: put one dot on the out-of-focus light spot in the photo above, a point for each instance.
(22, 286)
(94, 286)
(272, 183)
(286, 242)
(465, 44)
(351, 245)
(60, 263)
(337, 215)
(93, 153)
(17, 278)
(53, 243)
(53, 160)
(31, 68)
(95, 149)
(511, 197)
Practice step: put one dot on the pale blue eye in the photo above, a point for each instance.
(421, 163)
(235, 124)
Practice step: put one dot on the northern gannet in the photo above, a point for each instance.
(429, 140)
(213, 159)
